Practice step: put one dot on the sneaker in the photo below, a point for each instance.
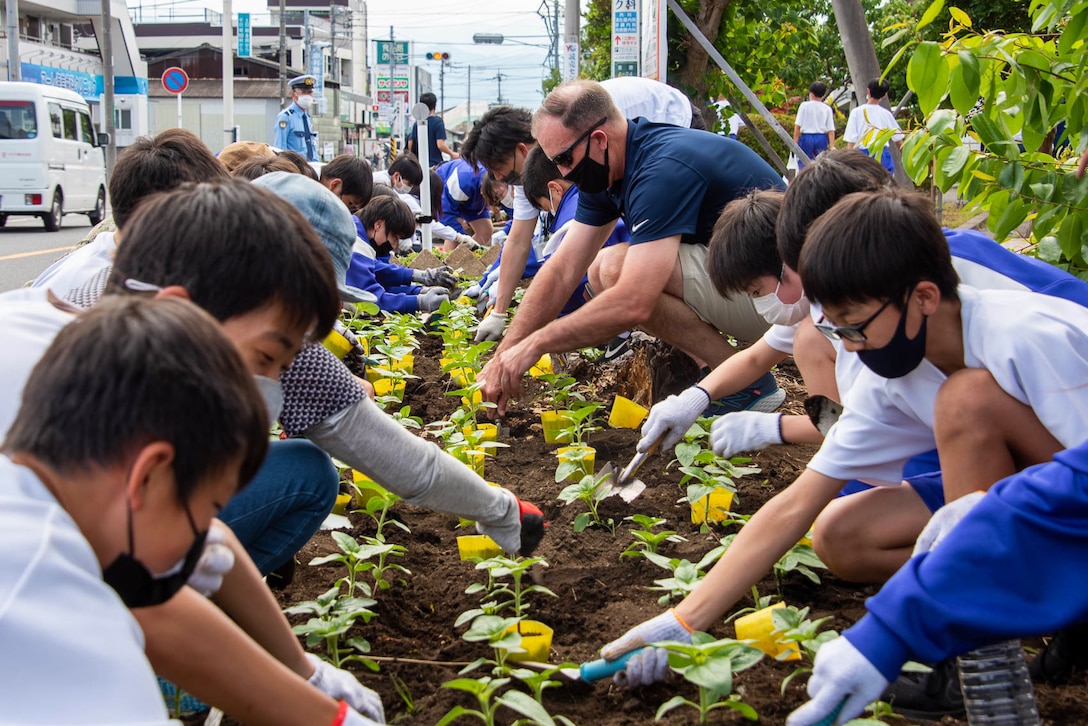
(764, 396)
(930, 696)
(532, 527)
(1063, 657)
(179, 703)
(616, 347)
(282, 576)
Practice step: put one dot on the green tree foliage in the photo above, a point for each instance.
(979, 91)
(596, 61)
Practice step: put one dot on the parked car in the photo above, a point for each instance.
(51, 158)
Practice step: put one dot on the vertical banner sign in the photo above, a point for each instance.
(317, 68)
(571, 50)
(245, 36)
(383, 91)
(625, 41)
(655, 45)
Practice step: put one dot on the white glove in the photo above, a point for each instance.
(651, 665)
(841, 675)
(672, 418)
(470, 242)
(491, 328)
(943, 520)
(214, 563)
(498, 237)
(745, 431)
(440, 276)
(341, 685)
(472, 291)
(405, 246)
(431, 299)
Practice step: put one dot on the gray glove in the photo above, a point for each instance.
(745, 431)
(431, 299)
(468, 241)
(491, 328)
(440, 276)
(651, 664)
(943, 521)
(672, 418)
(343, 686)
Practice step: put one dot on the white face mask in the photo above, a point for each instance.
(508, 200)
(551, 201)
(776, 312)
(402, 186)
(272, 392)
(305, 100)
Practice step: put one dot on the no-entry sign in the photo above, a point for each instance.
(175, 80)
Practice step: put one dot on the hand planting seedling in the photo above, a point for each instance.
(710, 664)
(592, 490)
(646, 540)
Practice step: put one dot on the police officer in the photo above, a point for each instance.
(294, 128)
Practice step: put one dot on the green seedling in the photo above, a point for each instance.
(377, 508)
(332, 617)
(800, 558)
(405, 695)
(484, 690)
(764, 601)
(685, 575)
(405, 418)
(501, 634)
(356, 316)
(507, 595)
(791, 625)
(559, 393)
(579, 423)
(710, 665)
(646, 540)
(402, 328)
(538, 681)
(369, 556)
(592, 490)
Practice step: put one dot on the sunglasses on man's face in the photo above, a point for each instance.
(566, 156)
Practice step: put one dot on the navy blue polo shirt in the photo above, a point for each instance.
(676, 181)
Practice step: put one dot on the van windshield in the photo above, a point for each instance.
(18, 120)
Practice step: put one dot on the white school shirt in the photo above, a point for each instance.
(653, 100)
(866, 118)
(1035, 346)
(72, 652)
(79, 265)
(815, 117)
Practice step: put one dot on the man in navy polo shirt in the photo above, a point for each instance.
(668, 184)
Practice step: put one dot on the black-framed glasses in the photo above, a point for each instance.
(566, 156)
(852, 333)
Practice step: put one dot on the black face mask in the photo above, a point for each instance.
(589, 176)
(137, 587)
(901, 355)
(382, 249)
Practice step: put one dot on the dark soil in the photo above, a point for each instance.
(600, 595)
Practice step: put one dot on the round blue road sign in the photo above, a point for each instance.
(175, 80)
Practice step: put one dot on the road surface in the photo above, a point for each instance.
(26, 248)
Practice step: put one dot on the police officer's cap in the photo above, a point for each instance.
(305, 83)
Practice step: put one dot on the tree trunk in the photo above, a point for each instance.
(693, 76)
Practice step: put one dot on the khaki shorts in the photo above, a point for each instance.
(736, 317)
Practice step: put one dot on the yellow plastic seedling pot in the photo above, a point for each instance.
(389, 386)
(759, 626)
(491, 431)
(536, 640)
(626, 414)
(342, 502)
(365, 488)
(337, 344)
(584, 456)
(472, 546)
(477, 398)
(404, 364)
(472, 459)
(543, 367)
(719, 501)
(553, 422)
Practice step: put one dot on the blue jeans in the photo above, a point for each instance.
(285, 503)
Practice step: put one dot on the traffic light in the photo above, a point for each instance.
(438, 56)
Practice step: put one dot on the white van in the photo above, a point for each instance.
(51, 159)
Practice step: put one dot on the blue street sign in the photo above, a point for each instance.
(245, 36)
(175, 80)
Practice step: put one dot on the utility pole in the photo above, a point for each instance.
(283, 53)
(335, 75)
(106, 46)
(228, 72)
(394, 131)
(14, 60)
(442, 88)
(555, 35)
(498, 77)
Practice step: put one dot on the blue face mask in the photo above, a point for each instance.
(902, 354)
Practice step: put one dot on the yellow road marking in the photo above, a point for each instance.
(20, 255)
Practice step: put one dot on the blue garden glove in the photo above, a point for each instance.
(343, 686)
(944, 520)
(651, 665)
(841, 675)
(672, 418)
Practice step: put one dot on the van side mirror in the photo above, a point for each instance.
(103, 139)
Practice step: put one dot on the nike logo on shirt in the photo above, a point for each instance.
(639, 225)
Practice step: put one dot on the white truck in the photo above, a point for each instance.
(51, 158)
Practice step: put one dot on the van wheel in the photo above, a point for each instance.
(99, 211)
(56, 214)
